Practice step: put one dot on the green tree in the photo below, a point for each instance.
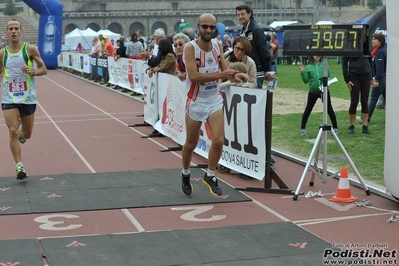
(373, 4)
(341, 3)
(10, 9)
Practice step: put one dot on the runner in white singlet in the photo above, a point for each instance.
(19, 91)
(205, 67)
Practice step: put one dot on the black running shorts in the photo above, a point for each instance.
(24, 109)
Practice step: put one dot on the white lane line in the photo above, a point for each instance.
(303, 196)
(270, 210)
(68, 141)
(133, 220)
(334, 219)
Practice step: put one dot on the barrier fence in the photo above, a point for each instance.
(164, 95)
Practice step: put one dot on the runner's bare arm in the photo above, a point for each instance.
(35, 56)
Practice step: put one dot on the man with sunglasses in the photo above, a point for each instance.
(256, 36)
(205, 67)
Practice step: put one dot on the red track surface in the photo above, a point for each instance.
(82, 128)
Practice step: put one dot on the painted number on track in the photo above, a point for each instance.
(56, 224)
(191, 216)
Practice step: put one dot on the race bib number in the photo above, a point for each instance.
(19, 86)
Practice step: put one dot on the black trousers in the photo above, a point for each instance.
(312, 98)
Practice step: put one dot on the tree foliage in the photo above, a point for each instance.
(10, 9)
(373, 4)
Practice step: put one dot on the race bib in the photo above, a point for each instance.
(19, 86)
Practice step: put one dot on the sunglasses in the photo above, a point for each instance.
(239, 49)
(178, 44)
(205, 27)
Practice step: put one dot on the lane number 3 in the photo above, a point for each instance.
(56, 225)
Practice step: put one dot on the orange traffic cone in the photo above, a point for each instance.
(343, 192)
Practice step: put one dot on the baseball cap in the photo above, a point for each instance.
(159, 32)
(105, 37)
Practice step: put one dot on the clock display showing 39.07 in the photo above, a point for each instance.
(324, 40)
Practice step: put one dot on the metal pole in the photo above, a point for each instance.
(325, 111)
(272, 3)
(327, 11)
(261, 10)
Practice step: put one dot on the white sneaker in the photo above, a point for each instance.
(303, 132)
(20, 171)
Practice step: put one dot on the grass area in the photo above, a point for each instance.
(366, 151)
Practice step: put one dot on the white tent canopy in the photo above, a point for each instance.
(80, 36)
(86, 36)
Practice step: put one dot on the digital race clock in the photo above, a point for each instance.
(325, 40)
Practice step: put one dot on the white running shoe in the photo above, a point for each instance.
(20, 171)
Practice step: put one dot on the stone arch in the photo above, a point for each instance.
(115, 27)
(159, 24)
(94, 26)
(70, 27)
(135, 26)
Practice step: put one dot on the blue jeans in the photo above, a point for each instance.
(260, 82)
(375, 94)
(273, 65)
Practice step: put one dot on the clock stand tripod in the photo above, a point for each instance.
(321, 140)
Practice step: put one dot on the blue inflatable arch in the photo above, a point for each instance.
(50, 29)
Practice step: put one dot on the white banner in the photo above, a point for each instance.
(151, 109)
(244, 149)
(115, 72)
(128, 74)
(171, 106)
(76, 61)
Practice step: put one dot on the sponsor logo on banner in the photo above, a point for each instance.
(143, 68)
(136, 74)
(241, 145)
(171, 119)
(130, 74)
(93, 61)
(152, 93)
(102, 62)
